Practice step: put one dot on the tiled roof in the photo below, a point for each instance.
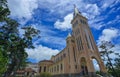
(46, 61)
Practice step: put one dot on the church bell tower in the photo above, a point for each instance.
(86, 48)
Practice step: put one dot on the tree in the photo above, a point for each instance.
(12, 44)
(106, 51)
(15, 45)
(3, 62)
(117, 63)
(4, 11)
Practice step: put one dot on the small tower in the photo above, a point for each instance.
(86, 48)
(71, 53)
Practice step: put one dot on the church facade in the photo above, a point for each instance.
(75, 59)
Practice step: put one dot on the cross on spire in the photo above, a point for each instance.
(76, 11)
(74, 6)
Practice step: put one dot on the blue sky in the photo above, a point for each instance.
(52, 18)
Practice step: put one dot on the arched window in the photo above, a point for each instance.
(75, 66)
(44, 68)
(79, 43)
(84, 69)
(74, 54)
(52, 69)
(88, 39)
(61, 67)
(40, 69)
(57, 67)
(96, 65)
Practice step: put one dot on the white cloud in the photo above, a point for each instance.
(108, 35)
(22, 9)
(91, 10)
(64, 7)
(116, 49)
(49, 36)
(41, 53)
(116, 20)
(55, 41)
(112, 10)
(106, 3)
(60, 6)
(66, 24)
(96, 25)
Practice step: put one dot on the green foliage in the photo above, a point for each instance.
(98, 72)
(3, 63)
(45, 74)
(106, 51)
(4, 11)
(117, 64)
(12, 43)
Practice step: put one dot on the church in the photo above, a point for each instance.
(75, 60)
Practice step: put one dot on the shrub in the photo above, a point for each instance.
(45, 74)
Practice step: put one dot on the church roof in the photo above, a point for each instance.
(46, 61)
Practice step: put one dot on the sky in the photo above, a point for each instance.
(53, 17)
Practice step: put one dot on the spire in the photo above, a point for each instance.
(76, 11)
(69, 35)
